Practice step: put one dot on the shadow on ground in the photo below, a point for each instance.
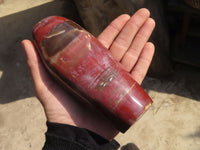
(196, 134)
(15, 81)
(185, 82)
(130, 146)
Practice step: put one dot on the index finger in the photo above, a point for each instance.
(112, 30)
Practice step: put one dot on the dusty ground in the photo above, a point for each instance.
(172, 123)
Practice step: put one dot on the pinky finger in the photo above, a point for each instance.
(140, 70)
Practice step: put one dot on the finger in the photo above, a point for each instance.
(143, 63)
(131, 56)
(42, 81)
(34, 63)
(49, 94)
(31, 56)
(113, 29)
(124, 39)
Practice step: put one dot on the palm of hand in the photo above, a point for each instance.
(126, 38)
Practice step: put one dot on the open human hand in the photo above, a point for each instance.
(126, 38)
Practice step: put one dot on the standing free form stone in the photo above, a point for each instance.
(81, 63)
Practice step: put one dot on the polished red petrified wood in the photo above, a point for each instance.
(81, 63)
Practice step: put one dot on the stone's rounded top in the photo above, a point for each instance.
(54, 33)
(47, 21)
(43, 27)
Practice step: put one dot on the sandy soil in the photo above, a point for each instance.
(172, 123)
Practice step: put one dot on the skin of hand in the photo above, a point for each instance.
(126, 38)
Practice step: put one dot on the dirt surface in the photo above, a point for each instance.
(172, 123)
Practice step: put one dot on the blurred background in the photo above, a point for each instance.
(173, 80)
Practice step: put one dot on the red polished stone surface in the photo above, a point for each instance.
(80, 62)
